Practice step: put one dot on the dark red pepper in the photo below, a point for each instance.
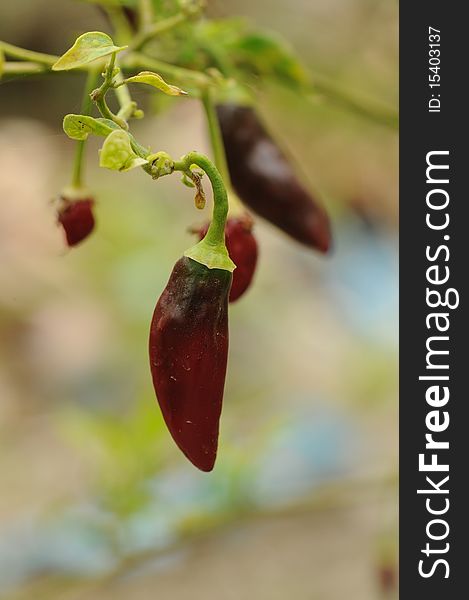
(188, 356)
(77, 219)
(242, 248)
(265, 181)
(387, 578)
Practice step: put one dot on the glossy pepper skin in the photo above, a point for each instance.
(188, 357)
(242, 248)
(77, 220)
(265, 181)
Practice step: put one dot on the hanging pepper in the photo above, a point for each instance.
(265, 181)
(77, 219)
(242, 248)
(189, 335)
(188, 353)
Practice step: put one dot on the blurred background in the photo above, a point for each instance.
(96, 502)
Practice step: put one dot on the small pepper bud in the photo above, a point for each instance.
(265, 181)
(77, 219)
(242, 248)
(188, 356)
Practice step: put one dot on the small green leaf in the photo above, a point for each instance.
(78, 127)
(157, 82)
(88, 47)
(117, 154)
(2, 62)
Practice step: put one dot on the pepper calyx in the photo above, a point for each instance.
(213, 256)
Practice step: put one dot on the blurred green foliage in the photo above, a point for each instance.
(310, 417)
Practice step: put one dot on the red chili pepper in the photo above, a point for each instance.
(265, 181)
(76, 217)
(387, 578)
(188, 356)
(242, 248)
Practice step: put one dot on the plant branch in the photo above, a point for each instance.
(145, 11)
(23, 68)
(38, 62)
(28, 55)
(120, 24)
(216, 231)
(215, 136)
(218, 149)
(99, 95)
(128, 107)
(155, 29)
(340, 98)
(77, 173)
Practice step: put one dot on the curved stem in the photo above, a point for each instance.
(107, 113)
(211, 250)
(216, 231)
(77, 173)
(99, 95)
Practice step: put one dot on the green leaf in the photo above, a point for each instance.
(157, 82)
(2, 62)
(223, 32)
(117, 154)
(78, 127)
(267, 55)
(88, 47)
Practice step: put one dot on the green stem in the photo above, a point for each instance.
(216, 140)
(145, 11)
(122, 91)
(99, 95)
(127, 105)
(382, 116)
(147, 34)
(122, 30)
(211, 251)
(218, 149)
(22, 68)
(131, 61)
(29, 55)
(77, 173)
(139, 150)
(107, 113)
(216, 231)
